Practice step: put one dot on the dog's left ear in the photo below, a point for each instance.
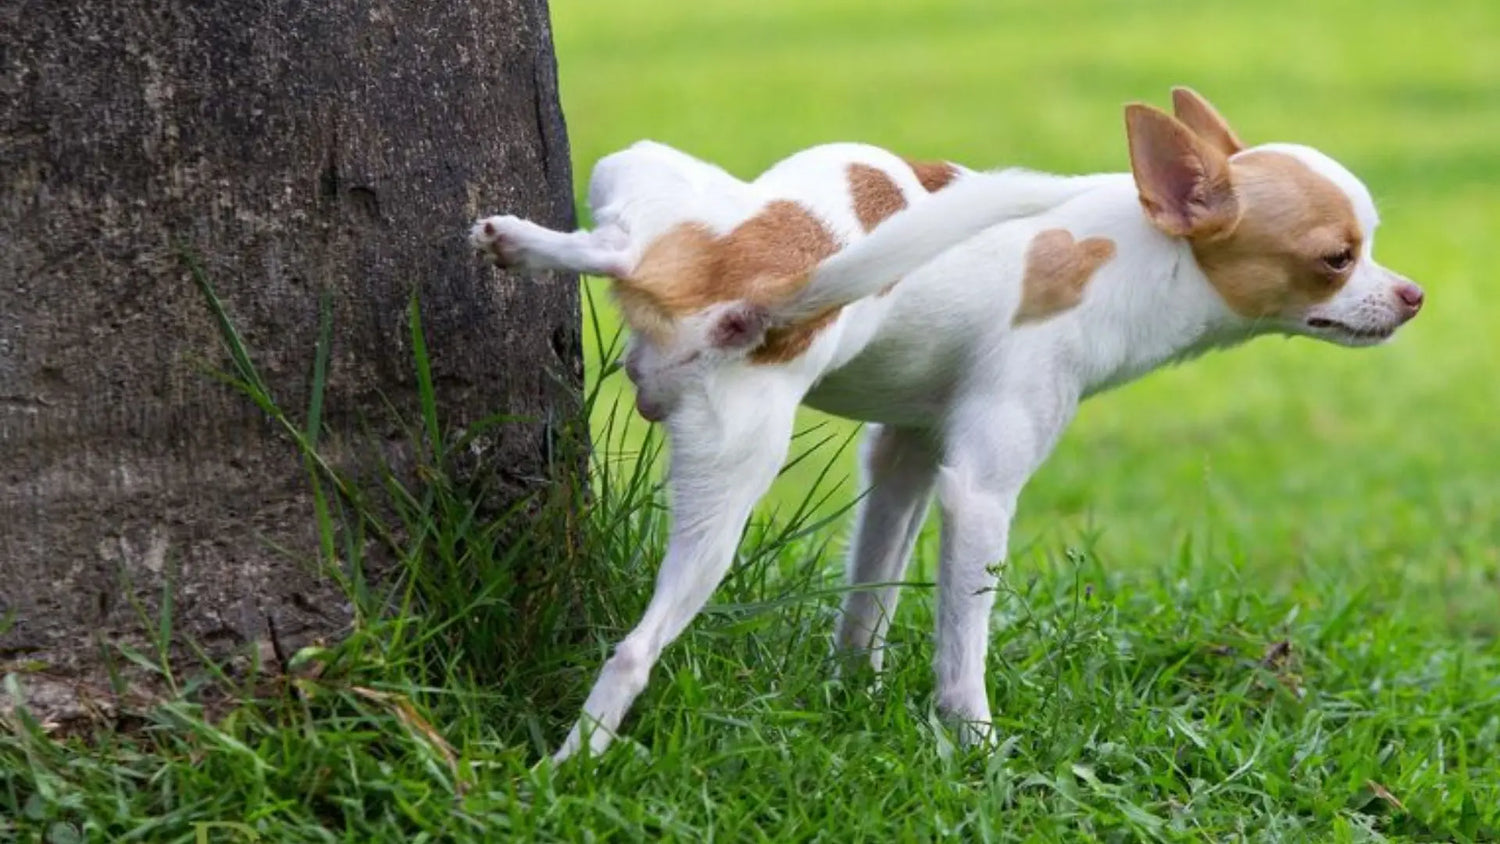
(1183, 180)
(1199, 115)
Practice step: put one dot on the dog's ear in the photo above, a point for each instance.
(1199, 115)
(1183, 181)
(739, 325)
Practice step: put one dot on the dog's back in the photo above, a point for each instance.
(704, 238)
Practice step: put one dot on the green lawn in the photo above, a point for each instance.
(1253, 598)
(1348, 497)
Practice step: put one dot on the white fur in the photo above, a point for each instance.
(966, 404)
(901, 245)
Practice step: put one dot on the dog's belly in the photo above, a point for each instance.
(917, 344)
(907, 410)
(893, 383)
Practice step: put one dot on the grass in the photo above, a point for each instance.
(1253, 598)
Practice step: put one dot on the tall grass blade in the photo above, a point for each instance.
(426, 393)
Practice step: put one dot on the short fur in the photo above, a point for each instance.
(1015, 296)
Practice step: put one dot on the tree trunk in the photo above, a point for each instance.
(295, 148)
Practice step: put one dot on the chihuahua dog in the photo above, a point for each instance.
(963, 314)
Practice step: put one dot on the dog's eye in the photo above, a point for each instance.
(1339, 261)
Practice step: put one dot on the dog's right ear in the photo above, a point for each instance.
(1198, 114)
(1183, 180)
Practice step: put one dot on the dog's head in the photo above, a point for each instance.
(664, 366)
(1283, 232)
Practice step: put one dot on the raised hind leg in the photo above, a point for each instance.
(635, 195)
(513, 242)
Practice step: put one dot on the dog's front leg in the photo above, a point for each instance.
(993, 446)
(725, 453)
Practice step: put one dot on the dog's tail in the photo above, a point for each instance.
(972, 203)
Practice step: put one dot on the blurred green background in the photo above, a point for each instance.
(1293, 459)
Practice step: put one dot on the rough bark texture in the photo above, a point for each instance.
(294, 147)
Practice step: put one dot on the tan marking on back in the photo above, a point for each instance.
(934, 175)
(1057, 270)
(1292, 218)
(874, 194)
(765, 260)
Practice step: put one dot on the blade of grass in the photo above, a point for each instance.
(426, 394)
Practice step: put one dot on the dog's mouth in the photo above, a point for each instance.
(1352, 335)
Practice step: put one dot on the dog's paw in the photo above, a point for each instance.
(585, 733)
(967, 712)
(978, 735)
(501, 239)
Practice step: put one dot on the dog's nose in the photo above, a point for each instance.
(1411, 297)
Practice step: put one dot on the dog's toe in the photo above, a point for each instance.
(978, 735)
(495, 237)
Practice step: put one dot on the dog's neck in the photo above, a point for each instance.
(1151, 304)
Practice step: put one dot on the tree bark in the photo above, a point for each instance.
(295, 148)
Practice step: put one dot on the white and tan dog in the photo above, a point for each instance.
(963, 314)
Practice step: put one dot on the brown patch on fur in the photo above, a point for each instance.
(765, 260)
(934, 175)
(789, 342)
(1292, 219)
(875, 195)
(673, 273)
(1058, 268)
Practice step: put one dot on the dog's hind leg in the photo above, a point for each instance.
(725, 454)
(635, 196)
(899, 467)
(513, 242)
